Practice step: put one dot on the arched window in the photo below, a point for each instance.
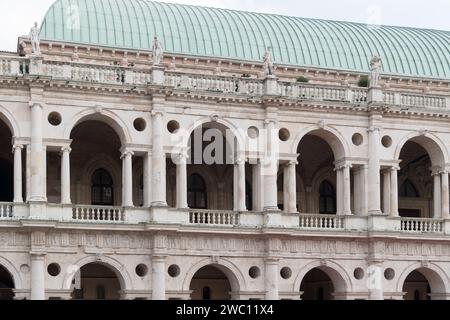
(408, 190)
(102, 188)
(206, 293)
(327, 200)
(196, 192)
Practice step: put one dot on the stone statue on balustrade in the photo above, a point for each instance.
(35, 39)
(268, 63)
(375, 68)
(157, 51)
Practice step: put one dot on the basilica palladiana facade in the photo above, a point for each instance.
(163, 151)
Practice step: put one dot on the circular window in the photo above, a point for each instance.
(174, 270)
(284, 134)
(173, 126)
(53, 269)
(254, 272)
(389, 274)
(386, 141)
(357, 139)
(54, 118)
(358, 273)
(141, 270)
(286, 272)
(139, 124)
(253, 132)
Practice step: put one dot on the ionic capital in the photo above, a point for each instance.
(33, 104)
(17, 146)
(67, 149)
(157, 112)
(126, 153)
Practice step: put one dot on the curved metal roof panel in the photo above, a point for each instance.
(243, 35)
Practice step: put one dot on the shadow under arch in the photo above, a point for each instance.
(339, 277)
(186, 134)
(105, 116)
(13, 272)
(432, 144)
(331, 136)
(111, 263)
(231, 271)
(436, 277)
(7, 117)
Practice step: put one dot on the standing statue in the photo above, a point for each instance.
(375, 67)
(157, 51)
(35, 41)
(268, 63)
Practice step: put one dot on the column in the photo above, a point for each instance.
(147, 177)
(386, 191)
(181, 182)
(239, 183)
(357, 190)
(373, 191)
(339, 193)
(17, 150)
(270, 169)
(444, 195)
(257, 187)
(37, 276)
(436, 195)
(37, 163)
(158, 162)
(346, 190)
(65, 175)
(127, 179)
(364, 190)
(394, 192)
(285, 188)
(375, 281)
(271, 279)
(292, 187)
(158, 278)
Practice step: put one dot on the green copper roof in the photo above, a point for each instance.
(244, 35)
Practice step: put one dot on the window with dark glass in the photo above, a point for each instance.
(196, 192)
(408, 190)
(206, 293)
(102, 188)
(327, 200)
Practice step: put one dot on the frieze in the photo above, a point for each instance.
(14, 239)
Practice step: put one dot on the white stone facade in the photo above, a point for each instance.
(263, 222)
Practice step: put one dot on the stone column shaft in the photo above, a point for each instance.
(17, 149)
(374, 171)
(394, 192)
(436, 196)
(339, 193)
(158, 278)
(127, 179)
(346, 190)
(444, 195)
(37, 277)
(65, 175)
(181, 182)
(271, 279)
(257, 187)
(147, 177)
(37, 154)
(386, 191)
(270, 169)
(158, 162)
(292, 187)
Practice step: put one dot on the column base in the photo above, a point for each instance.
(158, 204)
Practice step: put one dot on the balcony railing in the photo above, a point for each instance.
(421, 225)
(6, 210)
(213, 217)
(98, 214)
(321, 222)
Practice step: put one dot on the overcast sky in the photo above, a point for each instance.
(17, 16)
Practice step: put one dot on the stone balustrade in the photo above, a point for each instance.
(421, 225)
(213, 217)
(98, 214)
(321, 222)
(6, 210)
(225, 218)
(254, 87)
